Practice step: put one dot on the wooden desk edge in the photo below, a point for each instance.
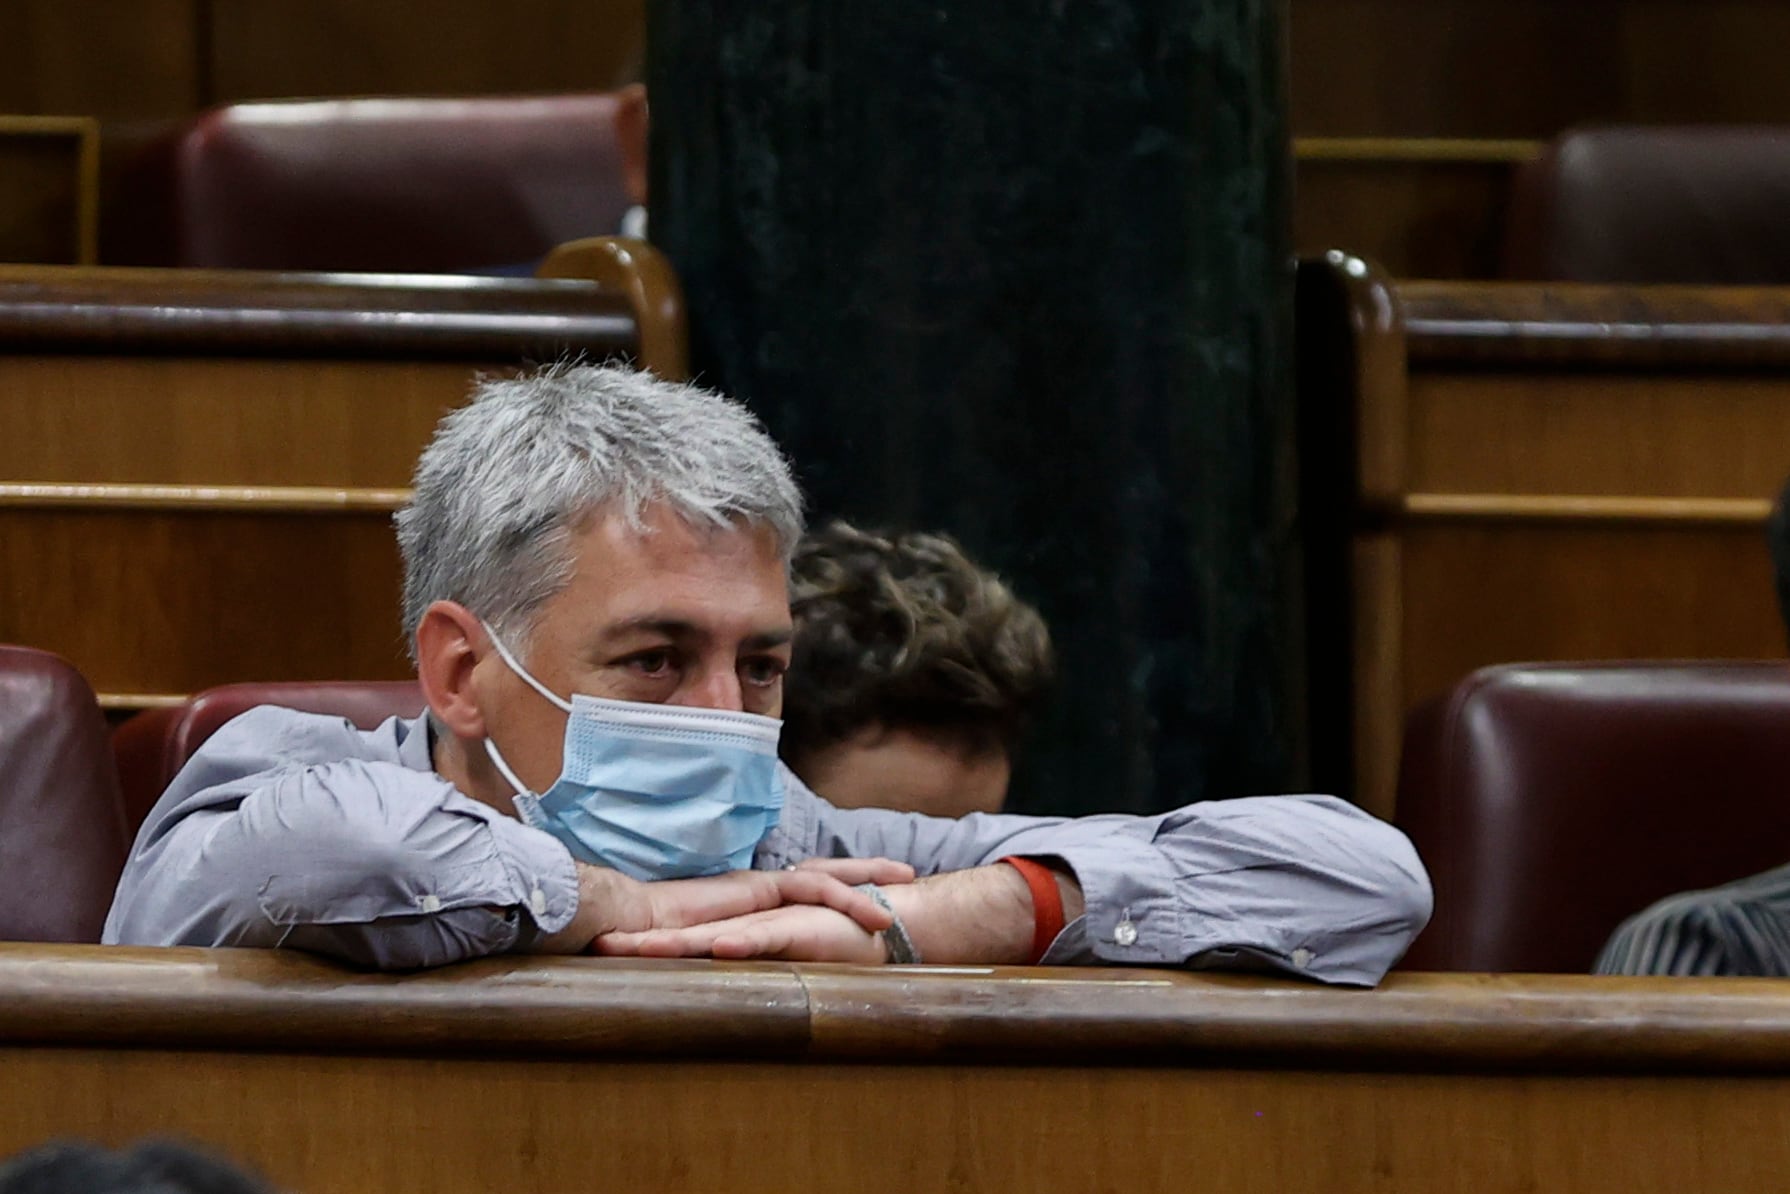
(1519, 325)
(52, 309)
(278, 1001)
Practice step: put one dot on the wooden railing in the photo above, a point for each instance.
(556, 1074)
(198, 468)
(1514, 471)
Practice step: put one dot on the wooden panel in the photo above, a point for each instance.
(125, 58)
(1414, 218)
(1450, 68)
(197, 470)
(221, 422)
(1545, 473)
(545, 1075)
(145, 602)
(1473, 595)
(1548, 432)
(49, 171)
(408, 1125)
(1528, 68)
(276, 48)
(1716, 62)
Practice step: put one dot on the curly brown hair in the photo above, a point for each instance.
(905, 631)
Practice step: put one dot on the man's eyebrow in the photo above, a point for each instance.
(652, 624)
(679, 628)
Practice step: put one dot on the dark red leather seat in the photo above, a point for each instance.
(1551, 801)
(152, 747)
(1640, 205)
(62, 834)
(403, 184)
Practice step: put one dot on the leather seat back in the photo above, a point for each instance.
(1551, 801)
(62, 832)
(1655, 205)
(393, 185)
(152, 747)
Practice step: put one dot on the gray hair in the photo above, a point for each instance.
(508, 478)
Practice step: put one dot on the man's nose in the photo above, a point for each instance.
(715, 688)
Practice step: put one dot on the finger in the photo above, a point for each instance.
(760, 941)
(797, 938)
(656, 943)
(816, 887)
(861, 870)
(691, 941)
(680, 902)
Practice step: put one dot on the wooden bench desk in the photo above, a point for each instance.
(198, 469)
(1514, 471)
(532, 1074)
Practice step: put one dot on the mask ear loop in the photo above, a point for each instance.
(503, 652)
(528, 805)
(503, 769)
(526, 802)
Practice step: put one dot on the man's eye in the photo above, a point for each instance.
(762, 672)
(651, 663)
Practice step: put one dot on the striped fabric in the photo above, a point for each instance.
(1741, 928)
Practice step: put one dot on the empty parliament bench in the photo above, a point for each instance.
(198, 469)
(1497, 472)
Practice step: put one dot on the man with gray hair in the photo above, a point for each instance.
(596, 601)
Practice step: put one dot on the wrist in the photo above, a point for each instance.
(1056, 899)
(977, 916)
(608, 901)
(895, 943)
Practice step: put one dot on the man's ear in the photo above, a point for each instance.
(449, 642)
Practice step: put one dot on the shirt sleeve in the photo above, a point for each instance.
(1308, 885)
(373, 863)
(1680, 936)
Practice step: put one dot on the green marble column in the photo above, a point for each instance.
(1019, 269)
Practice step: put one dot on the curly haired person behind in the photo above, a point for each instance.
(914, 674)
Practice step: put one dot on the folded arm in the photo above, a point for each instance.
(392, 868)
(1303, 884)
(373, 863)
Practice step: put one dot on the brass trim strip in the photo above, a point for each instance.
(1501, 507)
(1415, 149)
(48, 126)
(120, 702)
(279, 499)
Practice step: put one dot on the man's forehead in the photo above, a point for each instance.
(659, 530)
(662, 575)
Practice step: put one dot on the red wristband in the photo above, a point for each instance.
(1047, 903)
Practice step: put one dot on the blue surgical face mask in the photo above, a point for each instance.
(655, 791)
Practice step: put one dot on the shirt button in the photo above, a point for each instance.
(537, 902)
(430, 903)
(1302, 957)
(1125, 933)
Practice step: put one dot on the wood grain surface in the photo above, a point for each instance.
(285, 1001)
(198, 470)
(1549, 473)
(343, 316)
(558, 1075)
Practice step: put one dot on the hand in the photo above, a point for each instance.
(610, 902)
(793, 932)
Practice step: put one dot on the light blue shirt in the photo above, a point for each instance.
(292, 829)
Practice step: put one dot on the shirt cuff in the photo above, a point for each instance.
(1130, 915)
(542, 871)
